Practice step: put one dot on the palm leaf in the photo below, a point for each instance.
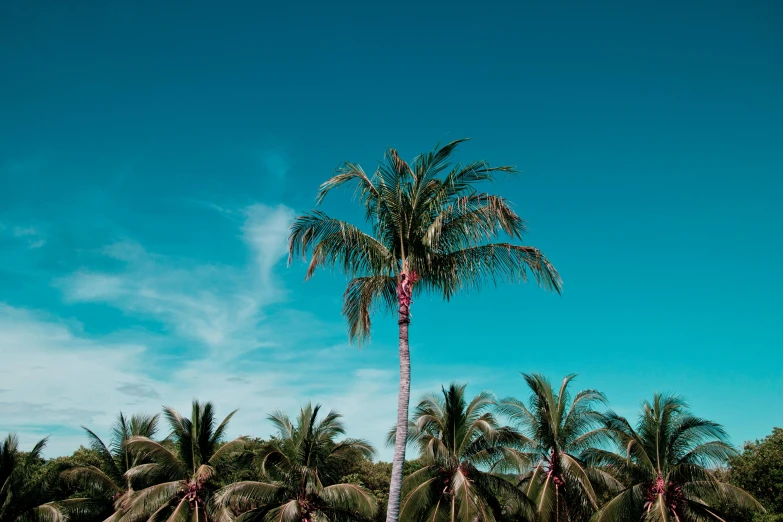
(288, 512)
(361, 296)
(91, 477)
(228, 451)
(149, 500)
(166, 462)
(350, 497)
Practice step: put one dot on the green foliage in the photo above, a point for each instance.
(759, 470)
(30, 490)
(52, 470)
(247, 465)
(765, 517)
(376, 477)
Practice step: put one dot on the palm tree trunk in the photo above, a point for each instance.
(403, 398)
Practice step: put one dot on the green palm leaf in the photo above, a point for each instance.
(149, 500)
(92, 477)
(350, 497)
(165, 461)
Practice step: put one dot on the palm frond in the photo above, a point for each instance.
(247, 495)
(348, 173)
(149, 500)
(49, 512)
(181, 513)
(228, 451)
(350, 497)
(625, 506)
(576, 471)
(92, 478)
(471, 268)
(167, 462)
(361, 296)
(428, 217)
(106, 455)
(288, 512)
(216, 435)
(421, 498)
(722, 493)
(336, 242)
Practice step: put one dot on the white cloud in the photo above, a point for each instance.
(64, 378)
(266, 231)
(219, 306)
(29, 235)
(58, 378)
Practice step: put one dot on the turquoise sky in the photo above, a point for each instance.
(153, 154)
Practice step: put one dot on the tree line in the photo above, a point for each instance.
(558, 455)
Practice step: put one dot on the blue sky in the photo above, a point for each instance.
(151, 158)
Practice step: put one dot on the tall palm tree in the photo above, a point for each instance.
(183, 474)
(23, 498)
(665, 462)
(560, 428)
(116, 459)
(301, 468)
(431, 230)
(464, 450)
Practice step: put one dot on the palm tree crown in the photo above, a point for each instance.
(182, 478)
(559, 429)
(301, 468)
(428, 232)
(665, 463)
(116, 459)
(461, 446)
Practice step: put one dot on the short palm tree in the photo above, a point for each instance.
(183, 474)
(110, 481)
(665, 463)
(22, 496)
(464, 450)
(431, 230)
(301, 468)
(560, 428)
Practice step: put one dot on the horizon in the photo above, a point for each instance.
(152, 158)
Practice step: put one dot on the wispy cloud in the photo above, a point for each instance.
(31, 236)
(266, 231)
(65, 377)
(58, 378)
(217, 305)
